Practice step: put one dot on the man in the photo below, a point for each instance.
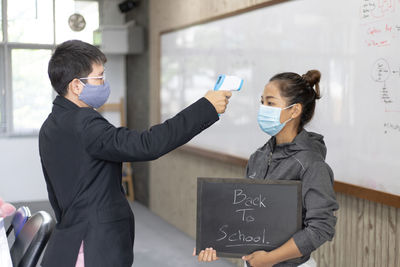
(82, 155)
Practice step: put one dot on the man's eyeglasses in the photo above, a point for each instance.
(103, 78)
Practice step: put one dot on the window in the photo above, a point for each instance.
(30, 30)
(30, 22)
(32, 96)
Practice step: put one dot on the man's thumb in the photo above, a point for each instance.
(227, 94)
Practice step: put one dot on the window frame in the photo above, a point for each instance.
(9, 100)
(6, 86)
(3, 85)
(6, 127)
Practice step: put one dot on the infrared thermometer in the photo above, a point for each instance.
(228, 83)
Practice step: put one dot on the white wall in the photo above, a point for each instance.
(21, 177)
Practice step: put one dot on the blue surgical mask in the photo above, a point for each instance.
(95, 95)
(269, 119)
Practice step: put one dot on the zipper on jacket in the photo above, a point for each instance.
(268, 162)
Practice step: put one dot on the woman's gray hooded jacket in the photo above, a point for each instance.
(304, 160)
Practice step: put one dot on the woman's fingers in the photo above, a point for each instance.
(214, 255)
(205, 255)
(201, 254)
(208, 254)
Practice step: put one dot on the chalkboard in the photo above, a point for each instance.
(355, 45)
(239, 216)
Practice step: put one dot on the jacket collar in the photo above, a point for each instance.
(303, 141)
(64, 103)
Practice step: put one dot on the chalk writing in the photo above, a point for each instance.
(250, 203)
(240, 197)
(240, 238)
(246, 218)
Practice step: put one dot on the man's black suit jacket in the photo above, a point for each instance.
(81, 155)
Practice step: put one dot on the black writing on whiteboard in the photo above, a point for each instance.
(382, 72)
(374, 9)
(391, 126)
(385, 95)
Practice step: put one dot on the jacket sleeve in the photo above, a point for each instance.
(104, 141)
(319, 203)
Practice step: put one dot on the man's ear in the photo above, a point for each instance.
(297, 110)
(75, 87)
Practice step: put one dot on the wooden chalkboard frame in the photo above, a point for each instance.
(340, 187)
(203, 180)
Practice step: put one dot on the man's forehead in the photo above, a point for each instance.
(97, 68)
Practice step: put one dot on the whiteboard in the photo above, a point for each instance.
(356, 46)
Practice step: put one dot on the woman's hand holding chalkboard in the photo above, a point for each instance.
(219, 99)
(259, 259)
(209, 254)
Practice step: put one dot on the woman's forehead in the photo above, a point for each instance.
(271, 89)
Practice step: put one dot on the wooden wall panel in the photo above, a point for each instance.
(367, 234)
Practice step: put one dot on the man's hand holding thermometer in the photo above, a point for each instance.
(222, 91)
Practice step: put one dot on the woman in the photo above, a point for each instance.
(292, 153)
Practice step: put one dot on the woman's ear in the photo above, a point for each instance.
(297, 110)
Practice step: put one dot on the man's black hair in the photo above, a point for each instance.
(72, 59)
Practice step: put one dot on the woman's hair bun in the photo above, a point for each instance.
(313, 77)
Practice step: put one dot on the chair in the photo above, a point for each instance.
(19, 219)
(31, 240)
